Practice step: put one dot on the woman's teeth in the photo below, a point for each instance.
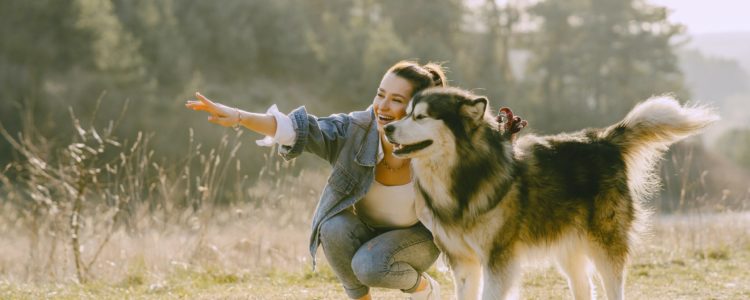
(386, 118)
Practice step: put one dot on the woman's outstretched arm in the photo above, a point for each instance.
(295, 132)
(229, 116)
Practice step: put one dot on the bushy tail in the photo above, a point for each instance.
(647, 131)
(657, 123)
(643, 136)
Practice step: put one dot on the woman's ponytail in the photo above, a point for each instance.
(437, 73)
(421, 77)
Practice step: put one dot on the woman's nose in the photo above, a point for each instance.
(385, 105)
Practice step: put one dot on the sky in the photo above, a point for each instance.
(700, 16)
(709, 16)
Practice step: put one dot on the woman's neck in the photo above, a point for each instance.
(387, 146)
(392, 170)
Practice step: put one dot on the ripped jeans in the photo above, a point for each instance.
(364, 257)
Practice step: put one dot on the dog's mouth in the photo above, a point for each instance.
(399, 149)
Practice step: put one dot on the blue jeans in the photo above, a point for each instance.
(364, 257)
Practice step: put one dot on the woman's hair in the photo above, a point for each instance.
(420, 77)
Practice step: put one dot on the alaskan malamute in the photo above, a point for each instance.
(574, 197)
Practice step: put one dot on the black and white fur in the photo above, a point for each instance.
(573, 197)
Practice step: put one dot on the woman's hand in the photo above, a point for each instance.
(219, 113)
(509, 123)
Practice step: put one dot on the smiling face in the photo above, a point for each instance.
(391, 99)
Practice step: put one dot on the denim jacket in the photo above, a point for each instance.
(350, 143)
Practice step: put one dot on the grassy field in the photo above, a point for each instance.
(104, 220)
(685, 257)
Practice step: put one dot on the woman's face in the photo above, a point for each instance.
(391, 99)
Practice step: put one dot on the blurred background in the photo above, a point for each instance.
(92, 94)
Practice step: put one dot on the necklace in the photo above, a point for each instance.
(392, 169)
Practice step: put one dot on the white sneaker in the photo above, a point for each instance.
(432, 292)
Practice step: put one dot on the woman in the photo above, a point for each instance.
(365, 219)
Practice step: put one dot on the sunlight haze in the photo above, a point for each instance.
(709, 17)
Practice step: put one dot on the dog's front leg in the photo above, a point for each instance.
(467, 276)
(499, 281)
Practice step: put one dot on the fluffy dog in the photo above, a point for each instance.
(574, 197)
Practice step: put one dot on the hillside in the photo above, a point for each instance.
(732, 45)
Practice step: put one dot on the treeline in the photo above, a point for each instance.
(564, 64)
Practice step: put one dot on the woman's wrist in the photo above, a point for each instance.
(238, 123)
(262, 123)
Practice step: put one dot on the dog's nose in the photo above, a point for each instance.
(389, 129)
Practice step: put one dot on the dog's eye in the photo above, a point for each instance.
(419, 117)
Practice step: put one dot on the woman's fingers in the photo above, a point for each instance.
(219, 114)
(518, 124)
(200, 107)
(196, 105)
(204, 104)
(508, 118)
(203, 99)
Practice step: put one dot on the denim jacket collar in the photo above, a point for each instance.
(367, 155)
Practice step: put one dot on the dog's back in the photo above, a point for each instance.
(581, 193)
(572, 182)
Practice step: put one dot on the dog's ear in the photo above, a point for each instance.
(474, 109)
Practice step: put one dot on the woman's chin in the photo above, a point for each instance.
(381, 125)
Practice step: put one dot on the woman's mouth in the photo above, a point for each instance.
(385, 119)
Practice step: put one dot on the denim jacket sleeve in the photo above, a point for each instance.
(323, 137)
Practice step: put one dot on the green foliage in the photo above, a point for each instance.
(735, 145)
(595, 59)
(553, 60)
(115, 50)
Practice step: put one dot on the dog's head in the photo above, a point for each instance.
(437, 119)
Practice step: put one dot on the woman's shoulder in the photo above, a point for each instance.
(363, 118)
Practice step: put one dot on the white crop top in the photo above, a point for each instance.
(388, 206)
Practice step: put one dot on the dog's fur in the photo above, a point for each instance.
(573, 197)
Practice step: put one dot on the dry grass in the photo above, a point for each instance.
(100, 218)
(687, 257)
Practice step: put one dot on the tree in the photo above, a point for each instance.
(594, 60)
(40, 45)
(735, 145)
(493, 54)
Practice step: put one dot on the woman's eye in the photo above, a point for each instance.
(398, 100)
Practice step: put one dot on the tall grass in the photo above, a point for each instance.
(97, 206)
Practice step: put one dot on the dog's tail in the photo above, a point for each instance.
(645, 134)
(648, 130)
(656, 123)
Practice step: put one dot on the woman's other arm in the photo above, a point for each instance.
(228, 116)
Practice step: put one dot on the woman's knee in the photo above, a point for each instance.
(369, 267)
(342, 227)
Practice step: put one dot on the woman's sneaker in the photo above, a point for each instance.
(432, 292)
